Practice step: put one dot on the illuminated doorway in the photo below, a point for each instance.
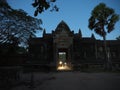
(62, 57)
(62, 61)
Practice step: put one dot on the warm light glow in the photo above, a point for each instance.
(63, 66)
(60, 62)
(65, 63)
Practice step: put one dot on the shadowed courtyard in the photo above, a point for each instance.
(70, 81)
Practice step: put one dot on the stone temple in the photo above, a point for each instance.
(63, 47)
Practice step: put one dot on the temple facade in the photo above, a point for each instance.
(63, 46)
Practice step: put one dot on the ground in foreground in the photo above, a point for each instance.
(69, 81)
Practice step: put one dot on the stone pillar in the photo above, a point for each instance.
(96, 55)
(69, 55)
(56, 61)
(55, 54)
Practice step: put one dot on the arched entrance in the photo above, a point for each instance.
(63, 62)
(62, 45)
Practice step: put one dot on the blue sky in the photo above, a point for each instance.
(74, 12)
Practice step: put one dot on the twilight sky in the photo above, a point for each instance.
(74, 12)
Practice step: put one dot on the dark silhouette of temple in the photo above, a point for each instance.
(65, 46)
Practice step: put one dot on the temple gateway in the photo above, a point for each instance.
(64, 48)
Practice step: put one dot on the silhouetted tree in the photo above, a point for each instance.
(42, 5)
(16, 24)
(118, 38)
(102, 21)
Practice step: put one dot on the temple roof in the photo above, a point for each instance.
(62, 25)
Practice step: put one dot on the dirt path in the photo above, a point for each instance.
(72, 81)
(82, 81)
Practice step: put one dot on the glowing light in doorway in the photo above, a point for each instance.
(63, 66)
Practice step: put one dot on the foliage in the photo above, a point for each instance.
(42, 5)
(103, 19)
(16, 26)
(118, 38)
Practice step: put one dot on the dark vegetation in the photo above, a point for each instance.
(102, 21)
(42, 5)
